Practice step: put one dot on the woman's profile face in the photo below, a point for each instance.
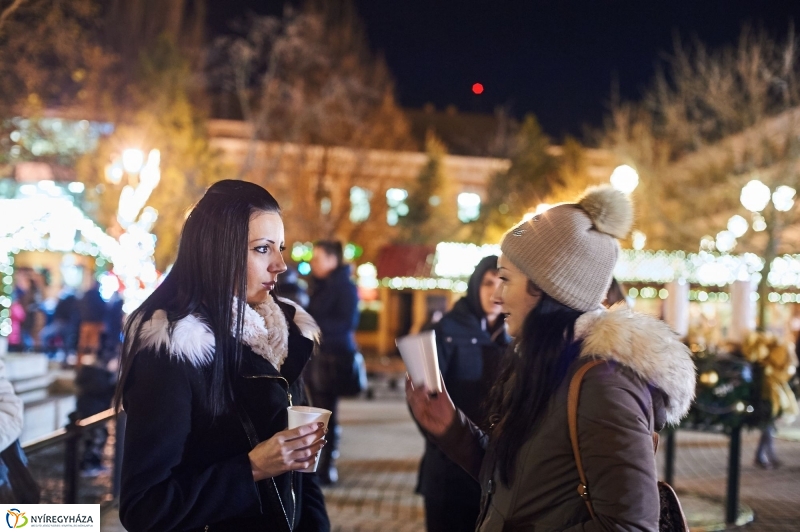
(264, 259)
(513, 295)
(489, 284)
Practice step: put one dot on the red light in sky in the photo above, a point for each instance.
(477, 88)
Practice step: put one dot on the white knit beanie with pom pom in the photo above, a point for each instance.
(570, 250)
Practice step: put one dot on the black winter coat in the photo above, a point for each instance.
(183, 470)
(334, 306)
(469, 359)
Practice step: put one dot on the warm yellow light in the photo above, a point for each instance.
(625, 179)
(709, 378)
(132, 160)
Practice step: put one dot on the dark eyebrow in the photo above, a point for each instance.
(259, 239)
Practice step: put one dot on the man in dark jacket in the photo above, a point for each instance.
(470, 340)
(334, 306)
(93, 310)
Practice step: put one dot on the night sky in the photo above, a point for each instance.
(554, 58)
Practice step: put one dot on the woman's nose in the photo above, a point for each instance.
(497, 295)
(279, 266)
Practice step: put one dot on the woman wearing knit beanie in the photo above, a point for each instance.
(556, 269)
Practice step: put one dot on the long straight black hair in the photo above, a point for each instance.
(209, 272)
(530, 376)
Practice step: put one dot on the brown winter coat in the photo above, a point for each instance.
(649, 380)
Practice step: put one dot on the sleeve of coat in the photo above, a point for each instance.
(464, 443)
(10, 411)
(616, 447)
(158, 491)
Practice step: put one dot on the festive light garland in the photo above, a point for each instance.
(55, 224)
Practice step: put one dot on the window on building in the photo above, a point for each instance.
(396, 200)
(359, 204)
(469, 207)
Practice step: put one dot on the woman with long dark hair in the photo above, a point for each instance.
(210, 363)
(555, 270)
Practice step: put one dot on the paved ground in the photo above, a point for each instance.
(381, 449)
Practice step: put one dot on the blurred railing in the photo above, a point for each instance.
(72, 439)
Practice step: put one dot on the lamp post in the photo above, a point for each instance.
(755, 197)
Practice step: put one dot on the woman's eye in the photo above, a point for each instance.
(283, 248)
(261, 249)
(503, 279)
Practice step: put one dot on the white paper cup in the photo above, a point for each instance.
(303, 415)
(419, 354)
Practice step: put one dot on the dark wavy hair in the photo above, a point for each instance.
(530, 375)
(209, 272)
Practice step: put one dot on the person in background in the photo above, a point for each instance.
(334, 305)
(17, 315)
(63, 330)
(290, 287)
(93, 310)
(615, 294)
(470, 340)
(27, 294)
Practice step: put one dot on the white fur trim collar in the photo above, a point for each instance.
(647, 346)
(266, 332)
(191, 339)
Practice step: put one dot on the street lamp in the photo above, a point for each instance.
(755, 197)
(625, 179)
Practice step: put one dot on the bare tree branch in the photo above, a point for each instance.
(8, 11)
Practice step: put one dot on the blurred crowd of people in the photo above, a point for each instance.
(63, 326)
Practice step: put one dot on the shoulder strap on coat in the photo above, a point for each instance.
(572, 413)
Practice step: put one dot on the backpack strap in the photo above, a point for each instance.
(572, 413)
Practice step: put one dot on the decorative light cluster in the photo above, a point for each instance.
(422, 283)
(709, 297)
(42, 223)
(703, 268)
(457, 261)
(648, 292)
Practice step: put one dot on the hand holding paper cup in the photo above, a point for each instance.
(419, 354)
(303, 415)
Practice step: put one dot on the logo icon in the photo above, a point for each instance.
(18, 518)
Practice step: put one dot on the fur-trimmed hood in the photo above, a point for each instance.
(265, 332)
(647, 346)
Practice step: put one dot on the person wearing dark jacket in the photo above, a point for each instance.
(470, 341)
(555, 270)
(210, 363)
(93, 310)
(334, 305)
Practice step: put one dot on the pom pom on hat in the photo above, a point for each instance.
(610, 210)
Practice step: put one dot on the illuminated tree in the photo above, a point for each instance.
(309, 78)
(712, 121)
